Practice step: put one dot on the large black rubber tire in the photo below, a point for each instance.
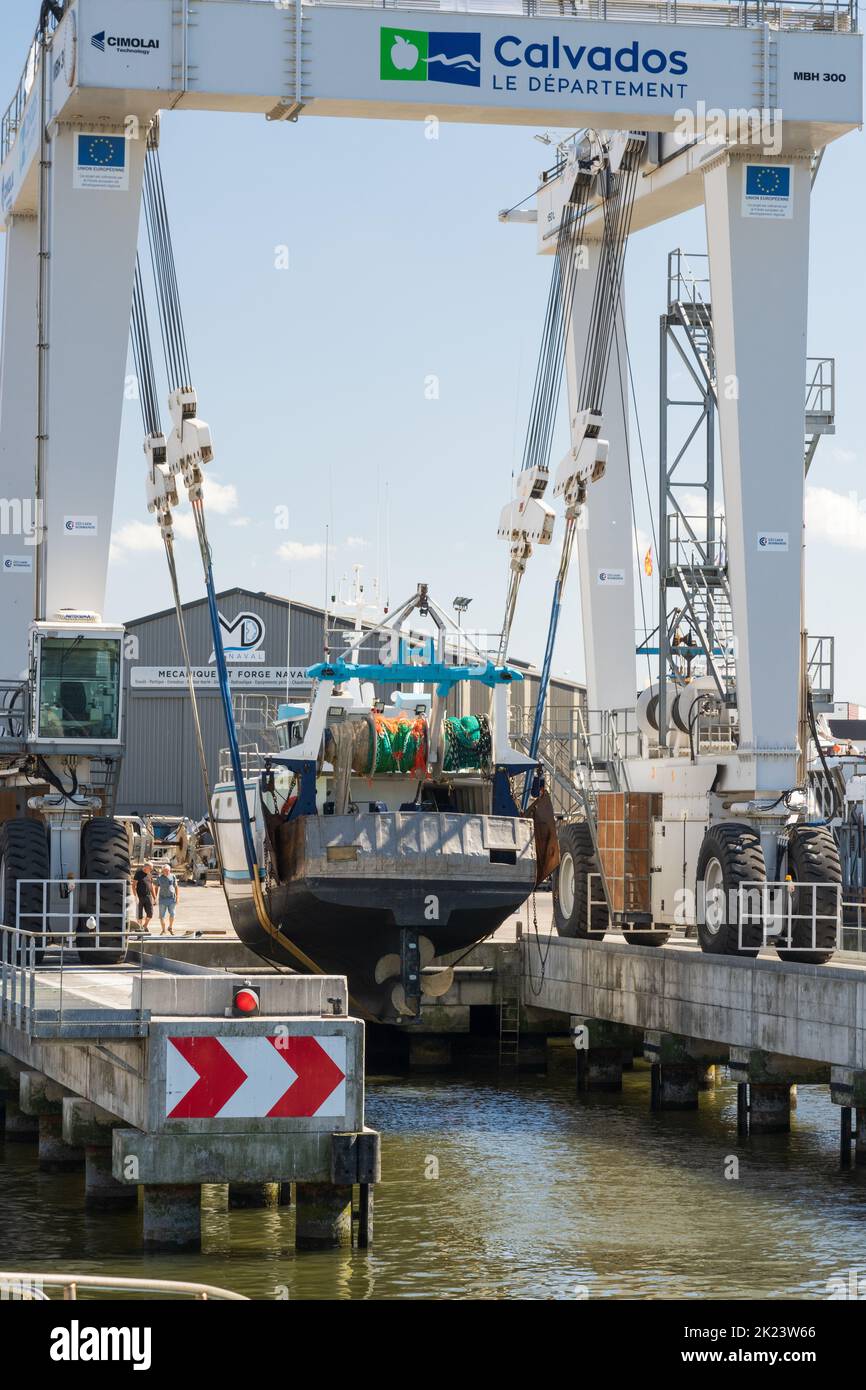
(577, 859)
(23, 854)
(736, 849)
(813, 857)
(104, 855)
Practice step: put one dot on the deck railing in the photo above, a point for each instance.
(838, 16)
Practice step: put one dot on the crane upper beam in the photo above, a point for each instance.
(609, 64)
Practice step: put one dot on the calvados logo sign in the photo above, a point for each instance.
(514, 65)
(416, 55)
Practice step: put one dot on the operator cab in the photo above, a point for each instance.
(76, 665)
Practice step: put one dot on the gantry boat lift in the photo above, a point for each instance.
(73, 153)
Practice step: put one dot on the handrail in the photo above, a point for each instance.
(11, 119)
(30, 1287)
(838, 16)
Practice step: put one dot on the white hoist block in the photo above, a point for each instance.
(526, 519)
(160, 486)
(585, 461)
(531, 482)
(161, 490)
(189, 446)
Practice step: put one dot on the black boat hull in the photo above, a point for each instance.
(347, 928)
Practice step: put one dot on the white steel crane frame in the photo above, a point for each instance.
(72, 147)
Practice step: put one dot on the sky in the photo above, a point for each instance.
(363, 334)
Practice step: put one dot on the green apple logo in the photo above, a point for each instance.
(403, 55)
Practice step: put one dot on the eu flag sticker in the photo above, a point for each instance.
(101, 162)
(767, 190)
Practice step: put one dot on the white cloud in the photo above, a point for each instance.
(221, 498)
(356, 543)
(836, 517)
(296, 551)
(137, 536)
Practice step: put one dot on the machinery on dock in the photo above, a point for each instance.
(690, 804)
(385, 828)
(185, 845)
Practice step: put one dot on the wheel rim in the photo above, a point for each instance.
(715, 916)
(566, 885)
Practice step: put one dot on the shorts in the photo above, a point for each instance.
(166, 905)
(145, 907)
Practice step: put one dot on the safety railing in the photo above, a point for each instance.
(795, 14)
(76, 918)
(46, 1288)
(789, 916)
(17, 977)
(12, 117)
(854, 926)
(596, 904)
(253, 760)
(821, 387)
(54, 990)
(689, 281)
(821, 667)
(47, 985)
(688, 544)
(611, 735)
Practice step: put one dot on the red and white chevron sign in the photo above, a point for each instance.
(234, 1077)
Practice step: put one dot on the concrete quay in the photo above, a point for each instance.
(777, 1025)
(141, 1076)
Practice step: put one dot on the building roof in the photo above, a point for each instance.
(226, 593)
(239, 591)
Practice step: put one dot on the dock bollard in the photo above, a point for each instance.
(20, 1128)
(43, 1098)
(676, 1087)
(323, 1219)
(88, 1126)
(172, 1216)
(769, 1107)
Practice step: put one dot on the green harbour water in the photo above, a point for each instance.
(513, 1190)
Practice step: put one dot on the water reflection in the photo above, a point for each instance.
(514, 1191)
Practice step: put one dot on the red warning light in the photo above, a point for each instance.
(245, 1002)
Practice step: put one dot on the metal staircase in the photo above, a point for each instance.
(104, 778)
(580, 766)
(707, 606)
(692, 560)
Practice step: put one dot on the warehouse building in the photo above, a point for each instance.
(269, 644)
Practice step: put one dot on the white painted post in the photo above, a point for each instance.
(759, 268)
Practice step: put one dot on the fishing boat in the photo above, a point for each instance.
(386, 833)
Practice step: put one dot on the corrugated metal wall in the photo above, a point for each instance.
(160, 770)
